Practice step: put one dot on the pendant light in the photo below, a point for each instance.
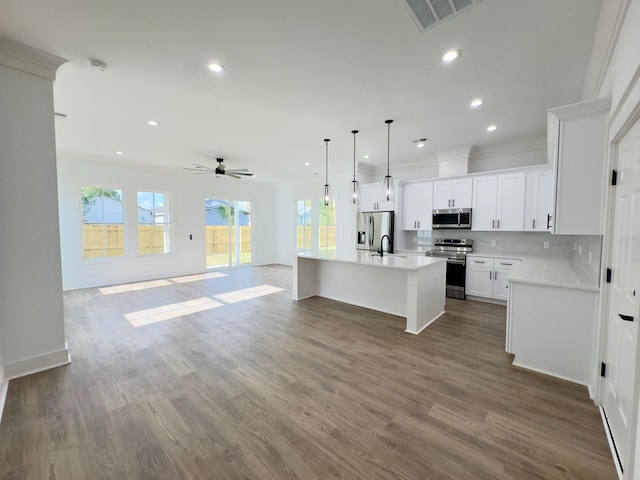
(355, 186)
(327, 188)
(387, 183)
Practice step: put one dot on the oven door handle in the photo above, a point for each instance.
(455, 262)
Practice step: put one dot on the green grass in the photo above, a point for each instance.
(222, 259)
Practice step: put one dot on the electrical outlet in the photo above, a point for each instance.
(493, 243)
(590, 257)
(579, 249)
(545, 244)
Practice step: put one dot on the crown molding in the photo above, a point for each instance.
(26, 59)
(531, 145)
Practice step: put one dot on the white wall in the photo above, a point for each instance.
(31, 312)
(187, 198)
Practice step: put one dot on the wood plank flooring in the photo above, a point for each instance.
(269, 388)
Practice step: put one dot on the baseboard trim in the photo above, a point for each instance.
(429, 323)
(37, 364)
(28, 367)
(612, 445)
(537, 370)
(4, 387)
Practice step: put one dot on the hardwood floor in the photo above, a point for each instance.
(263, 387)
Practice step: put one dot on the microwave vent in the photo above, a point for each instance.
(427, 13)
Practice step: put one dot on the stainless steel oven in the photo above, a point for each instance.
(455, 250)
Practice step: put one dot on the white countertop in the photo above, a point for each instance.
(551, 272)
(394, 260)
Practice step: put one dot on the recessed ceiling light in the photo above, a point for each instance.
(307, 163)
(492, 128)
(216, 68)
(366, 156)
(451, 55)
(420, 145)
(476, 102)
(153, 123)
(119, 153)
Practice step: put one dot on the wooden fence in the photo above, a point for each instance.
(107, 240)
(327, 237)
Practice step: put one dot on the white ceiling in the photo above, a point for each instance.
(299, 71)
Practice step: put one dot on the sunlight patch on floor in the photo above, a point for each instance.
(132, 287)
(247, 293)
(196, 278)
(173, 310)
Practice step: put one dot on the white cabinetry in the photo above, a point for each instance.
(498, 202)
(486, 277)
(538, 202)
(372, 198)
(417, 206)
(576, 136)
(453, 193)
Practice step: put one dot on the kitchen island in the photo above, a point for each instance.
(408, 286)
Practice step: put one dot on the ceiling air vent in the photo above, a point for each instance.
(427, 13)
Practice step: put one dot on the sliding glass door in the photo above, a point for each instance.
(228, 232)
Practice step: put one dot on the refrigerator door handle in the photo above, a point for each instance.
(371, 230)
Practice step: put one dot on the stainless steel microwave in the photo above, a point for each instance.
(452, 218)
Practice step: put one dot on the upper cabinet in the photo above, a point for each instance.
(576, 137)
(498, 202)
(538, 204)
(372, 198)
(453, 193)
(417, 206)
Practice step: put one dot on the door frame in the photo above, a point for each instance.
(621, 120)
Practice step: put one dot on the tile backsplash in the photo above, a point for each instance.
(583, 251)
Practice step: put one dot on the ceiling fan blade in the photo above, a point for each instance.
(234, 175)
(238, 170)
(200, 170)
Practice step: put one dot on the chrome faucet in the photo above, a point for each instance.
(382, 243)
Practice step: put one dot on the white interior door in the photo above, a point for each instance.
(624, 296)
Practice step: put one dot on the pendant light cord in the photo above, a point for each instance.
(354, 153)
(388, 122)
(326, 161)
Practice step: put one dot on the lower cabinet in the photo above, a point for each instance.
(487, 277)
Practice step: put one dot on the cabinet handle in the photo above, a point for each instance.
(418, 223)
(453, 202)
(504, 263)
(493, 224)
(533, 225)
(626, 318)
(476, 261)
(490, 275)
(548, 221)
(498, 224)
(449, 204)
(495, 275)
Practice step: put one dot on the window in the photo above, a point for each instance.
(102, 222)
(154, 223)
(228, 232)
(303, 228)
(327, 225)
(316, 225)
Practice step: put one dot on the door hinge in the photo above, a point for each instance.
(608, 278)
(614, 177)
(603, 369)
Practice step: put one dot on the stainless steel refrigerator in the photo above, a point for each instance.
(372, 226)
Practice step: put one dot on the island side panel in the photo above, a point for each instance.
(370, 286)
(426, 292)
(304, 278)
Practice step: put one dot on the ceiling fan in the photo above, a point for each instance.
(220, 170)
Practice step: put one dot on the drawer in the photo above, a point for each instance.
(480, 262)
(506, 263)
